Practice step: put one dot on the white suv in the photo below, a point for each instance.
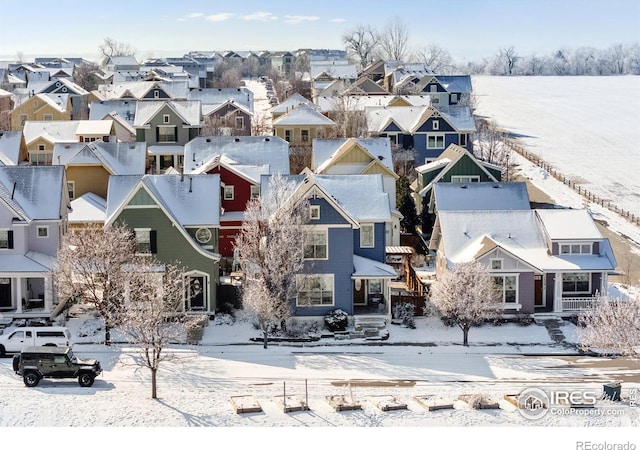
(15, 340)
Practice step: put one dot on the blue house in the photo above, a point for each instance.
(427, 130)
(344, 247)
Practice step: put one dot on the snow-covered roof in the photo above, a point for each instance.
(292, 102)
(94, 127)
(23, 263)
(88, 208)
(303, 115)
(10, 147)
(118, 158)
(324, 151)
(33, 192)
(572, 224)
(217, 96)
(455, 83)
(52, 131)
(334, 69)
(126, 109)
(459, 116)
(165, 150)
(200, 153)
(188, 111)
(58, 102)
(481, 196)
(369, 268)
(189, 200)
(362, 102)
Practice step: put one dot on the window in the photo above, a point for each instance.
(315, 245)
(465, 178)
(436, 124)
(314, 290)
(23, 119)
(47, 117)
(433, 88)
(42, 231)
(239, 123)
(166, 134)
(454, 99)
(255, 191)
(366, 235)
(314, 213)
(40, 159)
(6, 239)
(375, 287)
(287, 135)
(145, 241)
(393, 139)
(576, 283)
(304, 135)
(507, 287)
(496, 264)
(156, 93)
(575, 249)
(319, 133)
(166, 118)
(435, 141)
(463, 140)
(40, 148)
(71, 187)
(228, 193)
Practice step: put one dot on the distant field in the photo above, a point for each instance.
(586, 127)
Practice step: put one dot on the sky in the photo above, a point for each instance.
(469, 29)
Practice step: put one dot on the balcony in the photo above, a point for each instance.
(576, 303)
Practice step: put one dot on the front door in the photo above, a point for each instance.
(537, 291)
(197, 297)
(5, 293)
(359, 297)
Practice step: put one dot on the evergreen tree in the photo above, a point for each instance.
(406, 205)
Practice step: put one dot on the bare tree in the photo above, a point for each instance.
(110, 47)
(467, 295)
(394, 39)
(509, 57)
(270, 253)
(350, 119)
(84, 75)
(261, 125)
(611, 326)
(91, 267)
(361, 42)
(153, 316)
(436, 58)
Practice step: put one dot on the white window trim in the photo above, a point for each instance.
(314, 212)
(325, 231)
(291, 134)
(317, 275)
(570, 244)
(437, 136)
(307, 137)
(588, 291)
(226, 189)
(436, 124)
(465, 178)
(239, 120)
(42, 227)
(373, 235)
(462, 137)
(71, 187)
(255, 191)
(136, 230)
(7, 231)
(500, 260)
(166, 118)
(515, 305)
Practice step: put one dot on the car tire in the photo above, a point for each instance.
(31, 379)
(85, 379)
(2, 351)
(49, 344)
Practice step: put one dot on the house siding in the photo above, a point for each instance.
(328, 214)
(172, 246)
(377, 252)
(526, 292)
(88, 179)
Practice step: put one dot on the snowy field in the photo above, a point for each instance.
(586, 127)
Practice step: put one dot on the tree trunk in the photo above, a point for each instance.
(265, 339)
(465, 336)
(154, 390)
(107, 334)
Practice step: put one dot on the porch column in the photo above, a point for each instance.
(48, 293)
(604, 284)
(18, 284)
(557, 293)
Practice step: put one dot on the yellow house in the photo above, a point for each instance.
(303, 124)
(41, 107)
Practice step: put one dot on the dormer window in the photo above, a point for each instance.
(575, 249)
(436, 124)
(166, 118)
(314, 212)
(156, 93)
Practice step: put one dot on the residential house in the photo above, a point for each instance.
(88, 166)
(289, 104)
(240, 162)
(482, 196)
(115, 63)
(7, 103)
(88, 210)
(542, 261)
(446, 90)
(122, 112)
(353, 156)
(78, 96)
(302, 124)
(12, 150)
(45, 107)
(33, 217)
(282, 61)
(175, 218)
(142, 90)
(227, 111)
(41, 136)
(344, 246)
(455, 165)
(166, 126)
(426, 130)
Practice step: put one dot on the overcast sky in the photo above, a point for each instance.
(469, 29)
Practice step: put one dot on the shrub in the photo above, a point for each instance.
(405, 312)
(336, 320)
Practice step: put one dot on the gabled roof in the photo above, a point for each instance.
(459, 116)
(200, 153)
(58, 131)
(123, 61)
(482, 196)
(363, 102)
(126, 109)
(188, 201)
(218, 96)
(327, 152)
(291, 103)
(404, 117)
(10, 148)
(448, 159)
(303, 115)
(208, 110)
(455, 83)
(334, 70)
(56, 85)
(88, 208)
(118, 158)
(176, 90)
(370, 268)
(569, 224)
(32, 192)
(188, 111)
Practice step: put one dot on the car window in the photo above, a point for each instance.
(59, 359)
(17, 335)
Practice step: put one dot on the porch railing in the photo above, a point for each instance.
(576, 303)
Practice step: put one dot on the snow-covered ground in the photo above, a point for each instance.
(586, 127)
